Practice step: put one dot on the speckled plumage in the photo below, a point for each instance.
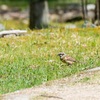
(66, 59)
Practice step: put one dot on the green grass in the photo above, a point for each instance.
(52, 3)
(15, 3)
(30, 60)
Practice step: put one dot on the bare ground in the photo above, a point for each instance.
(83, 86)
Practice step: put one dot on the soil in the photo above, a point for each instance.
(83, 86)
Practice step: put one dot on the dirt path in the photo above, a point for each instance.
(85, 86)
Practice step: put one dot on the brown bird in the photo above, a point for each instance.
(66, 59)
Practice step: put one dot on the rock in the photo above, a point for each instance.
(54, 17)
(14, 15)
(4, 8)
(91, 15)
(91, 12)
(66, 12)
(90, 7)
(6, 16)
(16, 9)
(70, 15)
(23, 16)
(2, 27)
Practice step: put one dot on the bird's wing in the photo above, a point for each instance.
(71, 59)
(68, 58)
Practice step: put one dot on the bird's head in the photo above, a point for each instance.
(61, 54)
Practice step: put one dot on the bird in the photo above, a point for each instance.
(66, 58)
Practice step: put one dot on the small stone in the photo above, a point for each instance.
(2, 27)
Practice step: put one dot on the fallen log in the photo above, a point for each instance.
(12, 32)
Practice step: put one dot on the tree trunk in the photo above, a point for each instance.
(84, 9)
(98, 11)
(39, 14)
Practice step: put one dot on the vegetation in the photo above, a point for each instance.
(31, 60)
(52, 3)
(15, 3)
